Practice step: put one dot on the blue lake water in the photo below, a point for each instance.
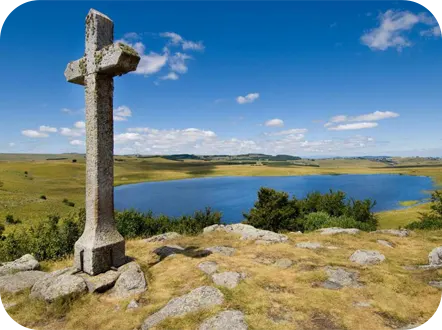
(235, 195)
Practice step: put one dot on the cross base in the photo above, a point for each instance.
(95, 260)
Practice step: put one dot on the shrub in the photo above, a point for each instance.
(433, 219)
(68, 203)
(43, 197)
(74, 160)
(11, 221)
(2, 229)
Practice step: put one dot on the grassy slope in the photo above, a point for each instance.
(59, 179)
(271, 298)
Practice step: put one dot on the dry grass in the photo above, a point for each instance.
(272, 298)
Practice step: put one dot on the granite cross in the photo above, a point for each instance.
(101, 246)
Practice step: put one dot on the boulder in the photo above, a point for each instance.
(362, 304)
(367, 257)
(436, 284)
(51, 288)
(208, 267)
(336, 230)
(162, 237)
(130, 282)
(248, 232)
(224, 250)
(132, 305)
(20, 281)
(168, 250)
(101, 282)
(201, 298)
(385, 243)
(394, 232)
(331, 285)
(309, 245)
(343, 277)
(283, 263)
(435, 257)
(227, 279)
(227, 320)
(25, 263)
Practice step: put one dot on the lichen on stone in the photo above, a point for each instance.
(127, 49)
(82, 65)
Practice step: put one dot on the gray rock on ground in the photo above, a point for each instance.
(336, 230)
(227, 320)
(436, 284)
(362, 304)
(435, 257)
(227, 279)
(283, 263)
(20, 281)
(51, 288)
(385, 243)
(162, 237)
(25, 263)
(208, 267)
(198, 299)
(343, 277)
(224, 250)
(309, 245)
(132, 305)
(394, 232)
(168, 250)
(367, 257)
(130, 282)
(248, 232)
(101, 282)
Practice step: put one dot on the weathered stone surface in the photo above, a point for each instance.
(132, 305)
(385, 243)
(102, 282)
(227, 320)
(343, 277)
(20, 281)
(362, 304)
(224, 250)
(130, 282)
(309, 245)
(25, 263)
(367, 257)
(198, 299)
(262, 242)
(435, 257)
(436, 284)
(394, 232)
(331, 285)
(336, 230)
(208, 267)
(248, 232)
(55, 287)
(227, 279)
(168, 250)
(162, 237)
(283, 263)
(10, 305)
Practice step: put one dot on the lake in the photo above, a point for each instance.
(235, 195)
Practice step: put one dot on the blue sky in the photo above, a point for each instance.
(309, 79)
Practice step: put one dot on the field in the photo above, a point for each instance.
(34, 186)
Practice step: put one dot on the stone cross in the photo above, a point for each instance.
(101, 246)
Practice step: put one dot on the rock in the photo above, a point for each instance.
(262, 242)
(367, 257)
(343, 277)
(296, 232)
(20, 281)
(248, 232)
(196, 300)
(264, 260)
(436, 284)
(224, 250)
(283, 263)
(132, 305)
(394, 232)
(385, 243)
(168, 250)
(52, 287)
(336, 230)
(10, 305)
(227, 320)
(227, 279)
(25, 263)
(331, 285)
(309, 245)
(435, 257)
(101, 282)
(130, 282)
(208, 267)
(162, 237)
(65, 271)
(362, 304)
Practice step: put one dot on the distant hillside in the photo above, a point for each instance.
(242, 157)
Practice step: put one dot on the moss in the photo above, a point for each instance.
(127, 49)
(82, 66)
(98, 57)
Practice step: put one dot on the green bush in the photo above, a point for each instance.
(2, 229)
(11, 221)
(43, 197)
(431, 220)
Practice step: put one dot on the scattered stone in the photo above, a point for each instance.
(283, 263)
(51, 288)
(227, 320)
(10, 305)
(162, 237)
(367, 257)
(196, 300)
(265, 260)
(130, 282)
(224, 250)
(331, 285)
(132, 305)
(20, 281)
(25, 263)
(336, 230)
(385, 243)
(435, 257)
(362, 304)
(261, 242)
(343, 277)
(102, 282)
(332, 247)
(394, 232)
(309, 245)
(168, 250)
(436, 284)
(227, 279)
(208, 267)
(248, 232)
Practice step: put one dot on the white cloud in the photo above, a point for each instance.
(77, 143)
(72, 132)
(48, 129)
(274, 123)
(288, 132)
(346, 127)
(131, 36)
(151, 63)
(122, 113)
(190, 45)
(176, 39)
(369, 117)
(170, 76)
(249, 98)
(12, 144)
(433, 32)
(72, 112)
(177, 62)
(374, 116)
(34, 134)
(80, 124)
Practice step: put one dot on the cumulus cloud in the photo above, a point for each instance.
(433, 32)
(274, 123)
(249, 98)
(48, 129)
(77, 143)
(72, 132)
(288, 132)
(177, 40)
(80, 124)
(363, 120)
(122, 113)
(346, 127)
(170, 76)
(34, 134)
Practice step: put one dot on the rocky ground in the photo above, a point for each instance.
(238, 277)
